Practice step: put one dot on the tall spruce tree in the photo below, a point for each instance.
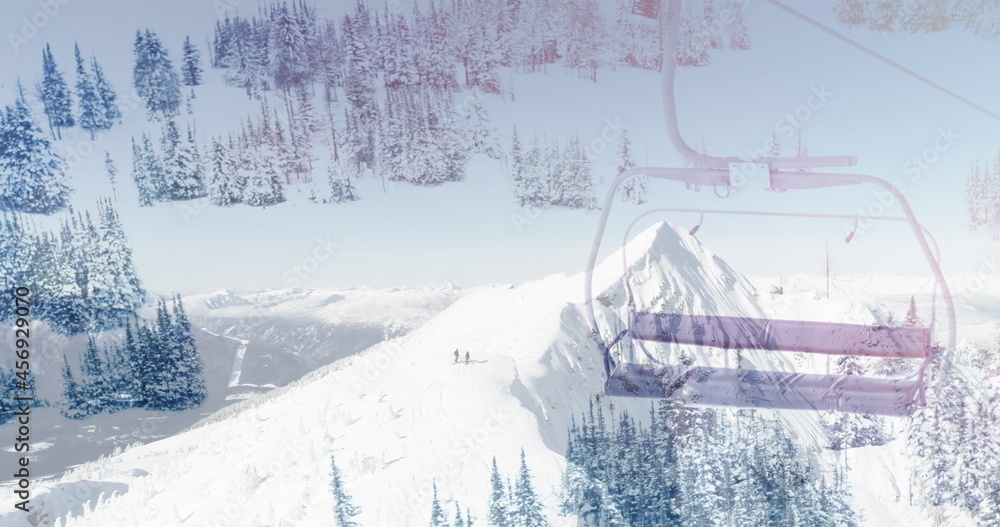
(93, 115)
(32, 176)
(154, 76)
(525, 509)
(191, 70)
(55, 96)
(343, 507)
(109, 99)
(73, 398)
(498, 513)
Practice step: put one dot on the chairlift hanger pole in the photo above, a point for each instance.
(717, 173)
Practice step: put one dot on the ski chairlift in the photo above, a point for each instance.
(751, 388)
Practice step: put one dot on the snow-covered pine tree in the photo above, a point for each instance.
(912, 319)
(160, 382)
(94, 383)
(106, 93)
(174, 164)
(141, 177)
(154, 76)
(525, 509)
(302, 128)
(116, 291)
(359, 89)
(439, 64)
(191, 391)
(336, 188)
(222, 43)
(330, 61)
(699, 474)
(531, 182)
(288, 54)
(219, 178)
(197, 173)
(77, 276)
(18, 247)
(583, 38)
(112, 172)
(74, 402)
(634, 188)
(572, 182)
(55, 96)
(92, 111)
(241, 165)
(438, 518)
(343, 506)
(395, 43)
(481, 136)
(459, 519)
(55, 275)
(499, 514)
(482, 62)
(850, 430)
(263, 187)
(191, 70)
(284, 154)
(182, 171)
(32, 176)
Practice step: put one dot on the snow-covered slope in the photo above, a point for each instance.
(402, 415)
(250, 343)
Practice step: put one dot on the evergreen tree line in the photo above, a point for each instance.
(982, 197)
(82, 277)
(457, 42)
(172, 172)
(981, 17)
(97, 101)
(696, 467)
(155, 78)
(32, 176)
(514, 504)
(958, 428)
(421, 60)
(554, 174)
(156, 367)
(421, 137)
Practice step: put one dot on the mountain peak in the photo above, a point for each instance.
(669, 269)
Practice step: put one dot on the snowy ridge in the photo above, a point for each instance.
(402, 415)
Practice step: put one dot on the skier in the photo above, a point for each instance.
(456, 355)
(466, 357)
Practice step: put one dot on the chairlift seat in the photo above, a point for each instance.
(726, 387)
(782, 335)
